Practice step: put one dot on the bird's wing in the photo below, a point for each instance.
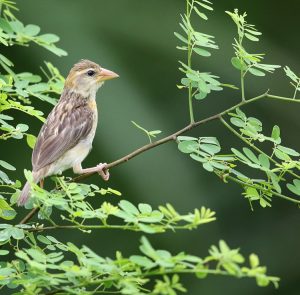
(66, 125)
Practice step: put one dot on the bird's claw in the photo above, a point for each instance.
(103, 171)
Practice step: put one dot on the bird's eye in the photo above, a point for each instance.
(90, 73)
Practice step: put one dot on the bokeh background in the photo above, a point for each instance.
(135, 39)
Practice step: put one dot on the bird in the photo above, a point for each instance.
(66, 137)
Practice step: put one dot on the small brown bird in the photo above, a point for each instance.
(66, 137)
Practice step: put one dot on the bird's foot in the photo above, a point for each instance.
(103, 171)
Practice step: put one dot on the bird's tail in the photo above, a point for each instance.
(25, 194)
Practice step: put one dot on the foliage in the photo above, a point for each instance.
(44, 260)
(295, 80)
(41, 264)
(18, 89)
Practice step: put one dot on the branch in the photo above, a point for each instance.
(180, 132)
(172, 137)
(30, 215)
(163, 228)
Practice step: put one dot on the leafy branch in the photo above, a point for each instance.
(45, 261)
(244, 61)
(173, 137)
(295, 80)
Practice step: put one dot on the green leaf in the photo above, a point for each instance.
(17, 233)
(264, 161)
(40, 87)
(205, 6)
(17, 26)
(193, 76)
(210, 140)
(5, 117)
(203, 87)
(146, 248)
(142, 261)
(288, 151)
(200, 96)
(252, 193)
(22, 127)
(4, 252)
(281, 156)
(276, 134)
(185, 138)
(155, 217)
(202, 273)
(219, 165)
(187, 146)
(6, 212)
(29, 77)
(208, 167)
(251, 155)
(251, 37)
(55, 50)
(4, 177)
(291, 74)
(31, 140)
(5, 26)
(241, 114)
(264, 203)
(5, 235)
(254, 260)
(256, 72)
(28, 175)
(48, 38)
(44, 240)
(32, 30)
(154, 132)
(145, 208)
(201, 14)
(147, 228)
(238, 64)
(7, 165)
(6, 60)
(294, 188)
(262, 281)
(237, 122)
(210, 148)
(128, 207)
(181, 38)
(201, 51)
(52, 239)
(253, 31)
(198, 158)
(240, 155)
(38, 255)
(275, 181)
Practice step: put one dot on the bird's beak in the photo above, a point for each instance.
(106, 75)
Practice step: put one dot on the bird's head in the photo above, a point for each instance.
(86, 77)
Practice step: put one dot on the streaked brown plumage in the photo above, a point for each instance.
(66, 137)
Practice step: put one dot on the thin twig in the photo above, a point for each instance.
(30, 215)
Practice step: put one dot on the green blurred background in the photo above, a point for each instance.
(135, 39)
